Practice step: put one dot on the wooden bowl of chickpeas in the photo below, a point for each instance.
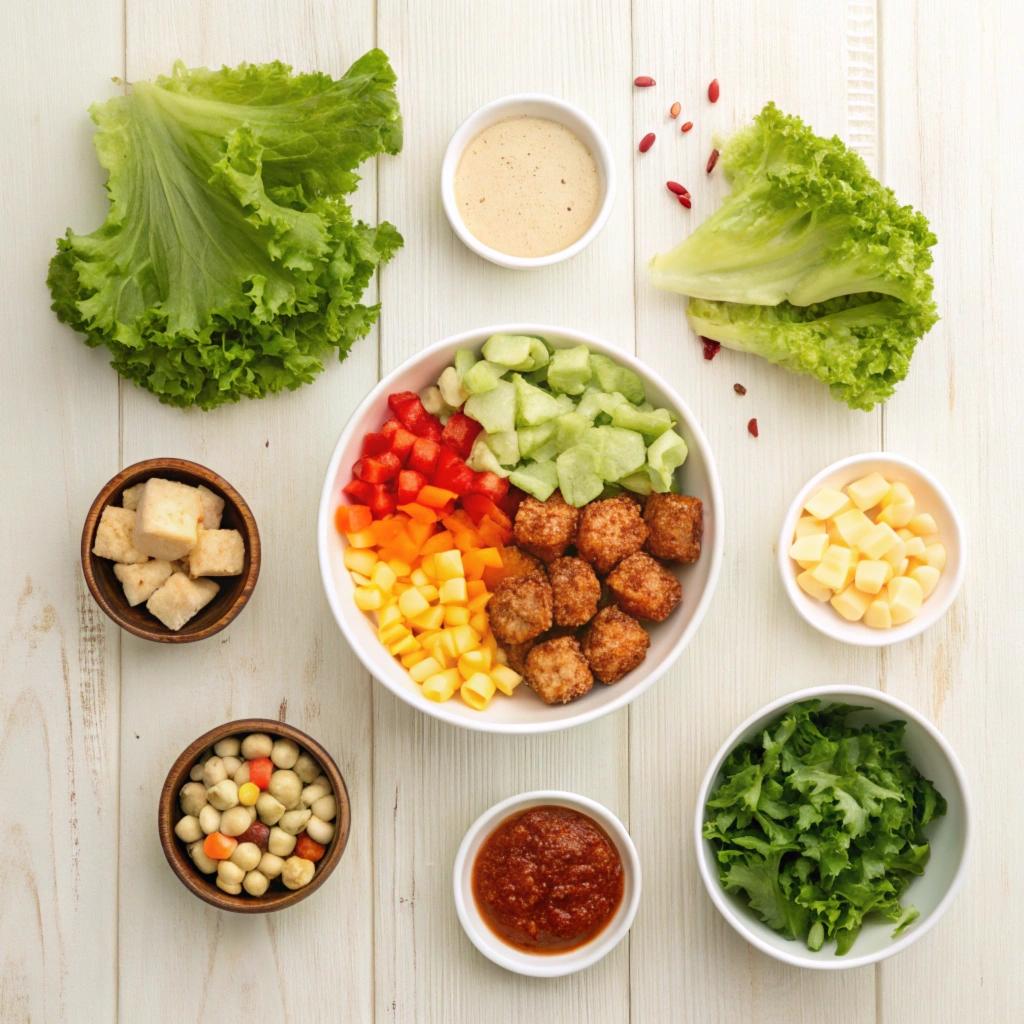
(254, 815)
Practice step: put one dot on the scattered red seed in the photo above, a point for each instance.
(673, 111)
(713, 90)
(644, 81)
(685, 201)
(739, 389)
(712, 160)
(752, 428)
(711, 348)
(674, 186)
(687, 125)
(646, 142)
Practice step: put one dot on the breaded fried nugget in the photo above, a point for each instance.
(576, 591)
(516, 562)
(676, 526)
(520, 608)
(614, 644)
(515, 654)
(557, 671)
(546, 528)
(644, 588)
(609, 531)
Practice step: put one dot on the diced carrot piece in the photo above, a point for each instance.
(491, 533)
(404, 547)
(352, 518)
(492, 577)
(442, 541)
(385, 554)
(473, 564)
(475, 588)
(419, 513)
(467, 540)
(435, 497)
(386, 530)
(491, 557)
(420, 532)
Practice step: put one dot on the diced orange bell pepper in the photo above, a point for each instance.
(404, 547)
(473, 564)
(428, 565)
(420, 532)
(491, 557)
(442, 541)
(419, 513)
(352, 518)
(491, 533)
(435, 497)
(492, 577)
(467, 540)
(386, 530)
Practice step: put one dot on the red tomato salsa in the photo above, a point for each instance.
(548, 879)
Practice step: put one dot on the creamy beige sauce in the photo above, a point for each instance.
(527, 186)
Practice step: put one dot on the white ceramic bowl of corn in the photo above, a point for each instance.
(890, 495)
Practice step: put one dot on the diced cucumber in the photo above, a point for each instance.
(578, 476)
(565, 404)
(594, 403)
(537, 478)
(570, 430)
(650, 424)
(569, 370)
(533, 405)
(531, 438)
(540, 354)
(537, 376)
(464, 359)
(505, 447)
(613, 377)
(516, 351)
(495, 410)
(638, 482)
(620, 452)
(450, 386)
(483, 376)
(663, 458)
(547, 451)
(482, 459)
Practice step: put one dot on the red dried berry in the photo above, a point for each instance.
(684, 201)
(711, 348)
(673, 111)
(752, 428)
(712, 160)
(676, 188)
(686, 126)
(646, 142)
(644, 81)
(713, 90)
(739, 389)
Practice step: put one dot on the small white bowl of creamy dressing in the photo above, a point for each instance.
(528, 181)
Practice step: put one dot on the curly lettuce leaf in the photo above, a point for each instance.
(229, 264)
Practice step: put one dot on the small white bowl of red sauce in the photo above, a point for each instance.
(521, 850)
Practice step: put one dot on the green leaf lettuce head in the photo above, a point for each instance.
(229, 264)
(821, 823)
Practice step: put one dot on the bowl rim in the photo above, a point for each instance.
(841, 630)
(178, 859)
(475, 336)
(457, 146)
(714, 886)
(206, 475)
(549, 965)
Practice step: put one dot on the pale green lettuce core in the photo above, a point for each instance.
(229, 264)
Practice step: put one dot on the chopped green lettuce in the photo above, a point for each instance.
(579, 479)
(611, 377)
(620, 452)
(533, 404)
(664, 457)
(650, 424)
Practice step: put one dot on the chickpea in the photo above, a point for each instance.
(231, 890)
(314, 791)
(188, 830)
(293, 822)
(196, 775)
(241, 777)
(284, 753)
(246, 856)
(234, 821)
(297, 872)
(325, 808)
(223, 795)
(252, 814)
(255, 883)
(270, 865)
(205, 864)
(214, 772)
(231, 765)
(269, 809)
(257, 744)
(319, 831)
(192, 798)
(287, 787)
(306, 768)
(209, 819)
(228, 747)
(280, 842)
(228, 871)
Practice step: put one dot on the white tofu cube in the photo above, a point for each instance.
(180, 598)
(114, 537)
(213, 508)
(217, 553)
(167, 519)
(130, 496)
(140, 582)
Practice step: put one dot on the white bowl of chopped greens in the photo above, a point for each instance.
(678, 458)
(855, 809)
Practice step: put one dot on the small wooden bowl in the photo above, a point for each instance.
(204, 886)
(234, 590)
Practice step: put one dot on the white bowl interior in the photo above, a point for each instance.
(528, 105)
(949, 837)
(523, 712)
(930, 498)
(553, 964)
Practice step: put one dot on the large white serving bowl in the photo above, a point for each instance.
(524, 712)
(949, 836)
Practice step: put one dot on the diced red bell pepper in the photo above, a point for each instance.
(430, 428)
(389, 428)
(260, 770)
(378, 469)
(452, 473)
(352, 518)
(358, 491)
(490, 485)
(401, 398)
(383, 500)
(410, 483)
(459, 434)
(409, 410)
(478, 506)
(423, 457)
(511, 502)
(374, 444)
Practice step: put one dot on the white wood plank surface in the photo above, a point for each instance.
(93, 926)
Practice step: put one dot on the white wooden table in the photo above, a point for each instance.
(93, 925)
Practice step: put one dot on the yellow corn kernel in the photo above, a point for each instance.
(360, 580)
(428, 667)
(418, 578)
(479, 603)
(878, 615)
(441, 685)
(480, 622)
(505, 679)
(412, 603)
(405, 646)
(388, 614)
(474, 661)
(431, 619)
(832, 569)
(383, 576)
(877, 541)
(852, 525)
(368, 599)
(455, 615)
(363, 539)
(464, 638)
(809, 549)
(808, 526)
(453, 590)
(872, 575)
(898, 494)
(851, 603)
(922, 525)
(927, 577)
(935, 556)
(448, 564)
(414, 658)
(477, 691)
(827, 503)
(809, 585)
(429, 591)
(868, 491)
(399, 568)
(360, 560)
(905, 597)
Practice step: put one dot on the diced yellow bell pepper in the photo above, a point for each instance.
(360, 560)
(428, 667)
(360, 580)
(465, 638)
(478, 690)
(449, 565)
(441, 686)
(453, 590)
(418, 578)
(393, 633)
(480, 622)
(399, 568)
(412, 603)
(413, 659)
(868, 491)
(362, 539)
(478, 603)
(455, 615)
(429, 591)
(474, 661)
(384, 577)
(505, 679)
(389, 614)
(405, 646)
(368, 599)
